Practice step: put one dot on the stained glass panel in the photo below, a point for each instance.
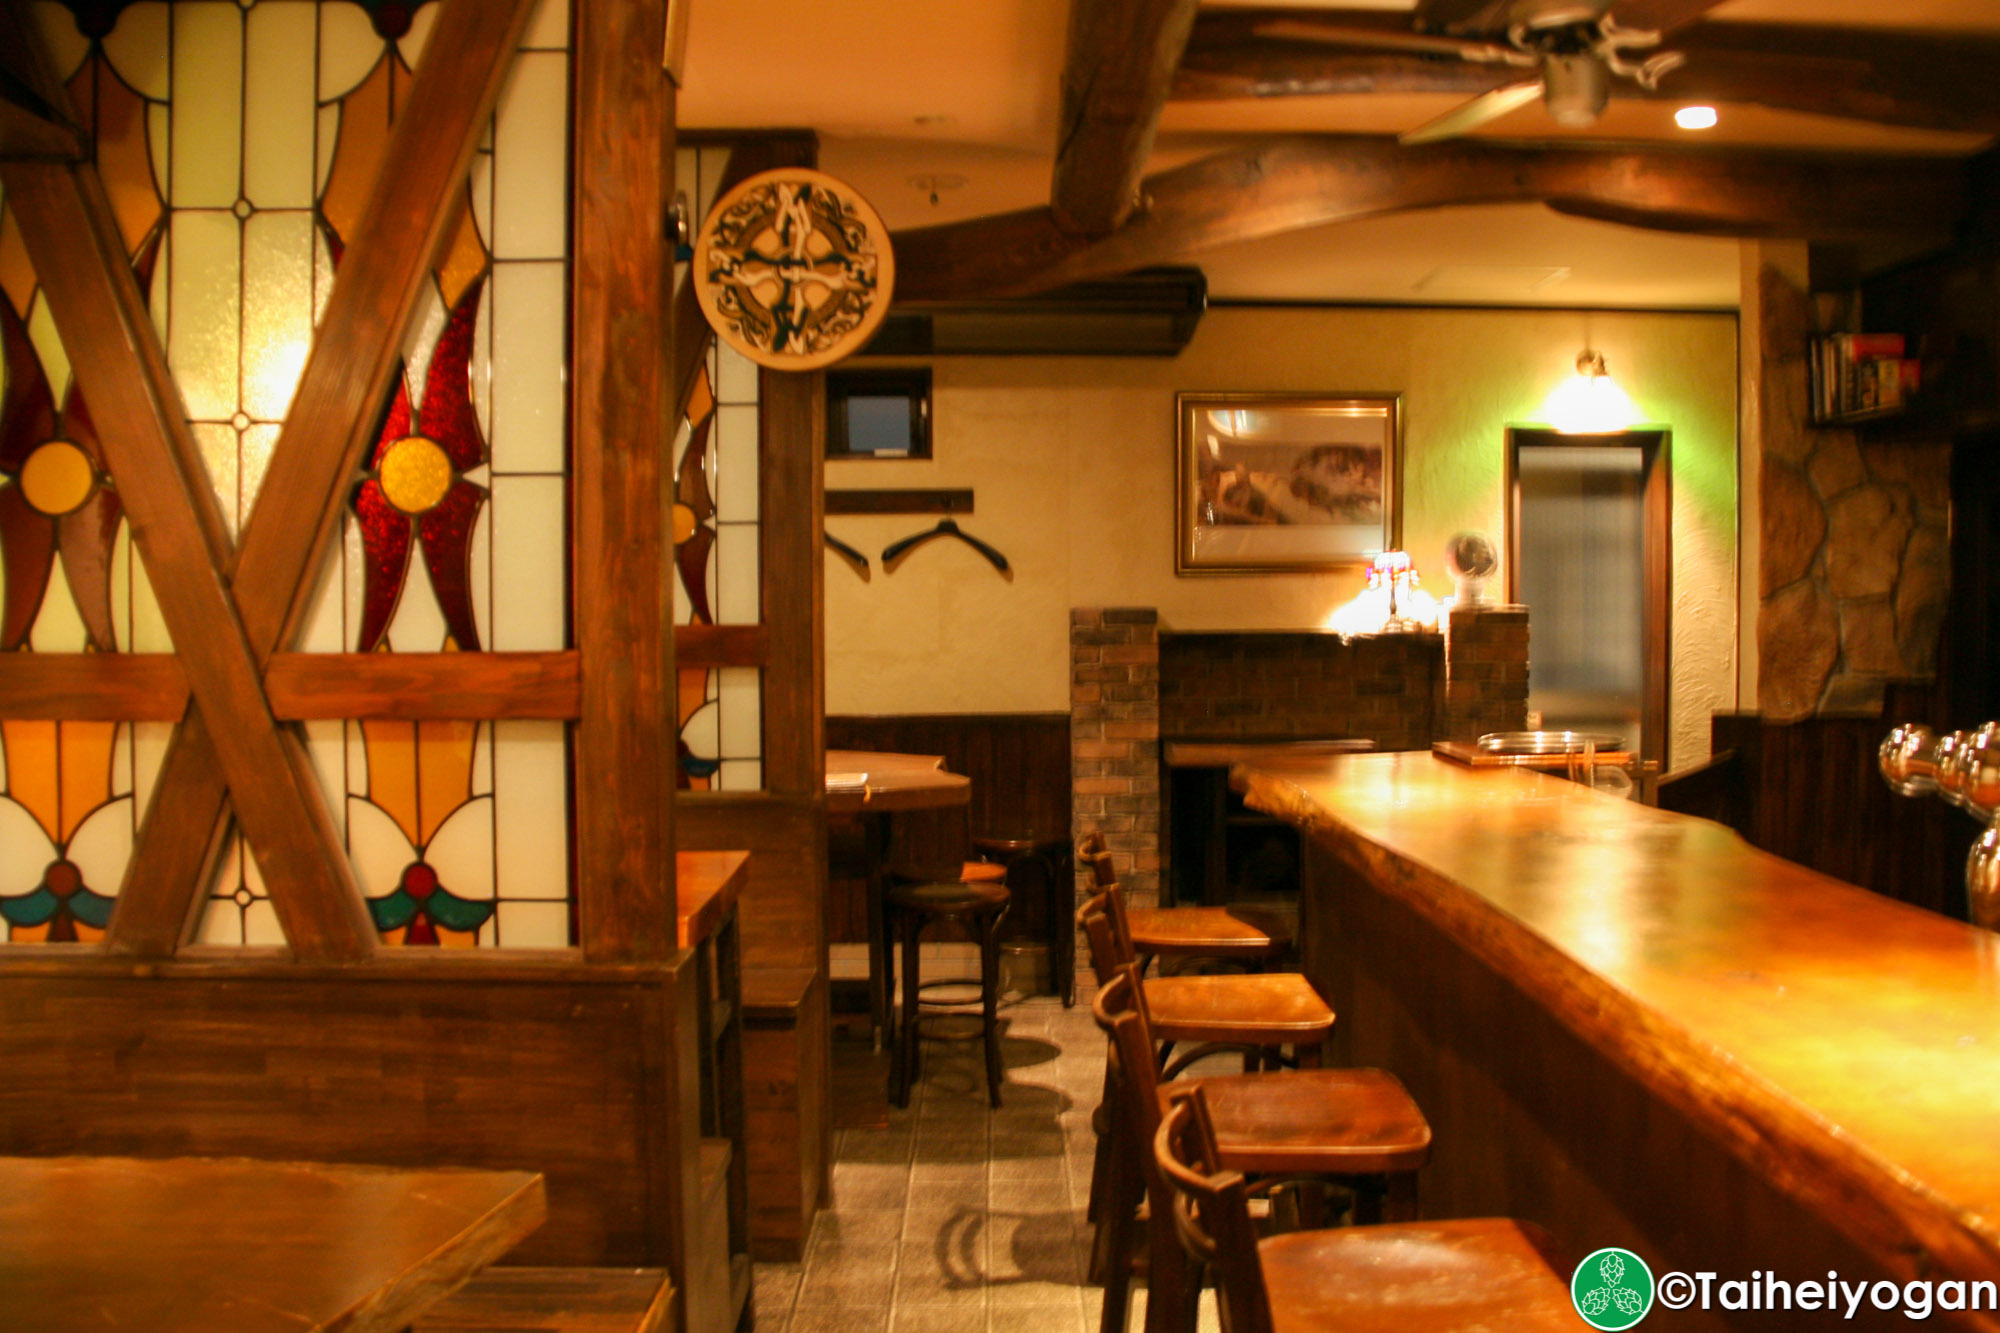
(716, 460)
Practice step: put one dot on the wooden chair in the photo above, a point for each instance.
(1238, 934)
(1468, 1276)
(1358, 1126)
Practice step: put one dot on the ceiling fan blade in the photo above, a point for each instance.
(1471, 115)
(1461, 15)
(1661, 16)
(1378, 39)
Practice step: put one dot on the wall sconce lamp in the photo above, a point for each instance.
(1589, 402)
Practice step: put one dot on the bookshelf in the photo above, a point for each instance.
(1856, 377)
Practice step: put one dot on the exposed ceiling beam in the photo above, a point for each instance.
(1249, 194)
(1892, 78)
(1121, 61)
(1459, 15)
(1663, 16)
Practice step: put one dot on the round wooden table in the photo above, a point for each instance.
(887, 784)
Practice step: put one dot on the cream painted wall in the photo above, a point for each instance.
(1072, 460)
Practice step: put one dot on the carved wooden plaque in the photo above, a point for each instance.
(793, 269)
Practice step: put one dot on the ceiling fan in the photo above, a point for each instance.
(1573, 55)
(1574, 49)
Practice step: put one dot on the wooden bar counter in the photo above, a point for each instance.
(1638, 1030)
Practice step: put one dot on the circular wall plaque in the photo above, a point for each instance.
(793, 269)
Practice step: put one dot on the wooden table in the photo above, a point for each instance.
(115, 1243)
(895, 783)
(1635, 1028)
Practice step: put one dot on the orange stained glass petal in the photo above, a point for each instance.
(86, 770)
(123, 159)
(17, 274)
(701, 398)
(444, 772)
(466, 260)
(693, 694)
(392, 772)
(32, 934)
(32, 772)
(457, 939)
(86, 934)
(365, 115)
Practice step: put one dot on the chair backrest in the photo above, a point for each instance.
(1103, 923)
(1120, 1009)
(1211, 1211)
(1092, 852)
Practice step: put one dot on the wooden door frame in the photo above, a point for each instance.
(1657, 542)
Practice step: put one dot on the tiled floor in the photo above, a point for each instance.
(956, 1218)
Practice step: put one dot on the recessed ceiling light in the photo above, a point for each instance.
(1695, 117)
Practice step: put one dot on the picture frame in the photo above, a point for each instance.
(1287, 482)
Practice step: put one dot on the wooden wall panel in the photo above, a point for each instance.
(780, 914)
(1020, 771)
(1810, 792)
(557, 1069)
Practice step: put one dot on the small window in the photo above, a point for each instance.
(878, 413)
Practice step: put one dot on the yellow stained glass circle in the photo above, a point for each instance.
(415, 474)
(684, 523)
(57, 478)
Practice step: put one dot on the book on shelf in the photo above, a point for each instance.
(1860, 375)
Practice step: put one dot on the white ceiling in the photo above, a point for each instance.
(904, 92)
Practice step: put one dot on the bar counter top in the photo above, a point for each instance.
(1844, 1046)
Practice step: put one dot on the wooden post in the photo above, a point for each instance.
(620, 283)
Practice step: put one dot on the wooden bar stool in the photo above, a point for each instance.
(1357, 1126)
(1258, 1014)
(1471, 1276)
(909, 908)
(1050, 858)
(1239, 934)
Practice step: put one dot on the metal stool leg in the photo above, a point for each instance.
(989, 999)
(911, 1032)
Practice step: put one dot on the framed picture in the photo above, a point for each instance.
(1287, 481)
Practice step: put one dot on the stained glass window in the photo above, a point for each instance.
(239, 144)
(716, 529)
(72, 792)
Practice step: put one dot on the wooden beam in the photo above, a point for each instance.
(36, 119)
(722, 645)
(621, 279)
(1121, 61)
(73, 240)
(333, 415)
(151, 687)
(458, 686)
(1894, 78)
(99, 687)
(1248, 194)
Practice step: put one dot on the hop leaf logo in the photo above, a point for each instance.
(1612, 1289)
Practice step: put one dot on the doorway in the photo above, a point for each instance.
(1590, 553)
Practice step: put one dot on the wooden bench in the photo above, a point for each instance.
(556, 1300)
(785, 1106)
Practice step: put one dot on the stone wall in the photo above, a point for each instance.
(1855, 559)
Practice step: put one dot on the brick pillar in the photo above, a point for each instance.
(1486, 671)
(1114, 751)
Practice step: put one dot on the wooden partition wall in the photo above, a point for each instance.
(338, 1045)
